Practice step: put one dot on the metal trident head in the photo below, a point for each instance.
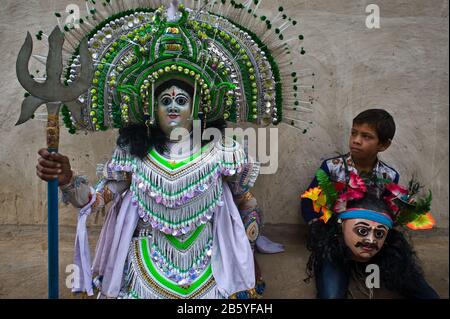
(52, 91)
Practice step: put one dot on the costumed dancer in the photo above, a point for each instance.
(173, 230)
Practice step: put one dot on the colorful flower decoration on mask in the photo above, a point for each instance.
(409, 211)
(333, 197)
(421, 222)
(355, 190)
(396, 192)
(319, 201)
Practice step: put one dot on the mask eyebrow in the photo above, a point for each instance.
(382, 227)
(362, 223)
(165, 95)
(183, 95)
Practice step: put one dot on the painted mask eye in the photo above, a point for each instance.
(166, 101)
(182, 101)
(379, 234)
(363, 232)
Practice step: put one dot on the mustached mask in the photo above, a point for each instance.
(366, 213)
(365, 225)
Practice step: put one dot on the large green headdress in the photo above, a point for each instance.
(236, 74)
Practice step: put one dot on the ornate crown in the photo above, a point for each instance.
(237, 74)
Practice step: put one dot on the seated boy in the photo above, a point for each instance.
(372, 132)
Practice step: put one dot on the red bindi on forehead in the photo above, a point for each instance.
(173, 93)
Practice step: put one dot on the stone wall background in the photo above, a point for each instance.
(402, 67)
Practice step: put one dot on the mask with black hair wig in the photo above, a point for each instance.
(140, 139)
(397, 261)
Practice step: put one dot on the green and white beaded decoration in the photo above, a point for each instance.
(238, 74)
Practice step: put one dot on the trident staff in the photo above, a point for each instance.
(53, 93)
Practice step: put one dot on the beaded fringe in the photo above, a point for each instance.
(184, 259)
(137, 285)
(175, 218)
(176, 202)
(226, 156)
(176, 191)
(251, 174)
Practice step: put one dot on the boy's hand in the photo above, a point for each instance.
(53, 165)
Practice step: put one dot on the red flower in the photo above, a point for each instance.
(357, 183)
(354, 194)
(390, 202)
(356, 189)
(397, 190)
(340, 205)
(339, 186)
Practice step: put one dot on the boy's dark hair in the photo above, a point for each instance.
(380, 120)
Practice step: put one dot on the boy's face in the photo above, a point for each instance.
(364, 142)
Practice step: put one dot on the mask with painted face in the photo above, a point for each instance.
(366, 214)
(364, 237)
(174, 110)
(365, 225)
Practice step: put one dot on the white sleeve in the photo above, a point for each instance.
(77, 192)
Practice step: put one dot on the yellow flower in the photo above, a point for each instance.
(319, 201)
(312, 193)
(326, 214)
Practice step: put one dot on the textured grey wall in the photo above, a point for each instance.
(402, 67)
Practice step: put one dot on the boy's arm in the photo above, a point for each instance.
(307, 211)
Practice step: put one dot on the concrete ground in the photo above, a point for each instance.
(23, 262)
